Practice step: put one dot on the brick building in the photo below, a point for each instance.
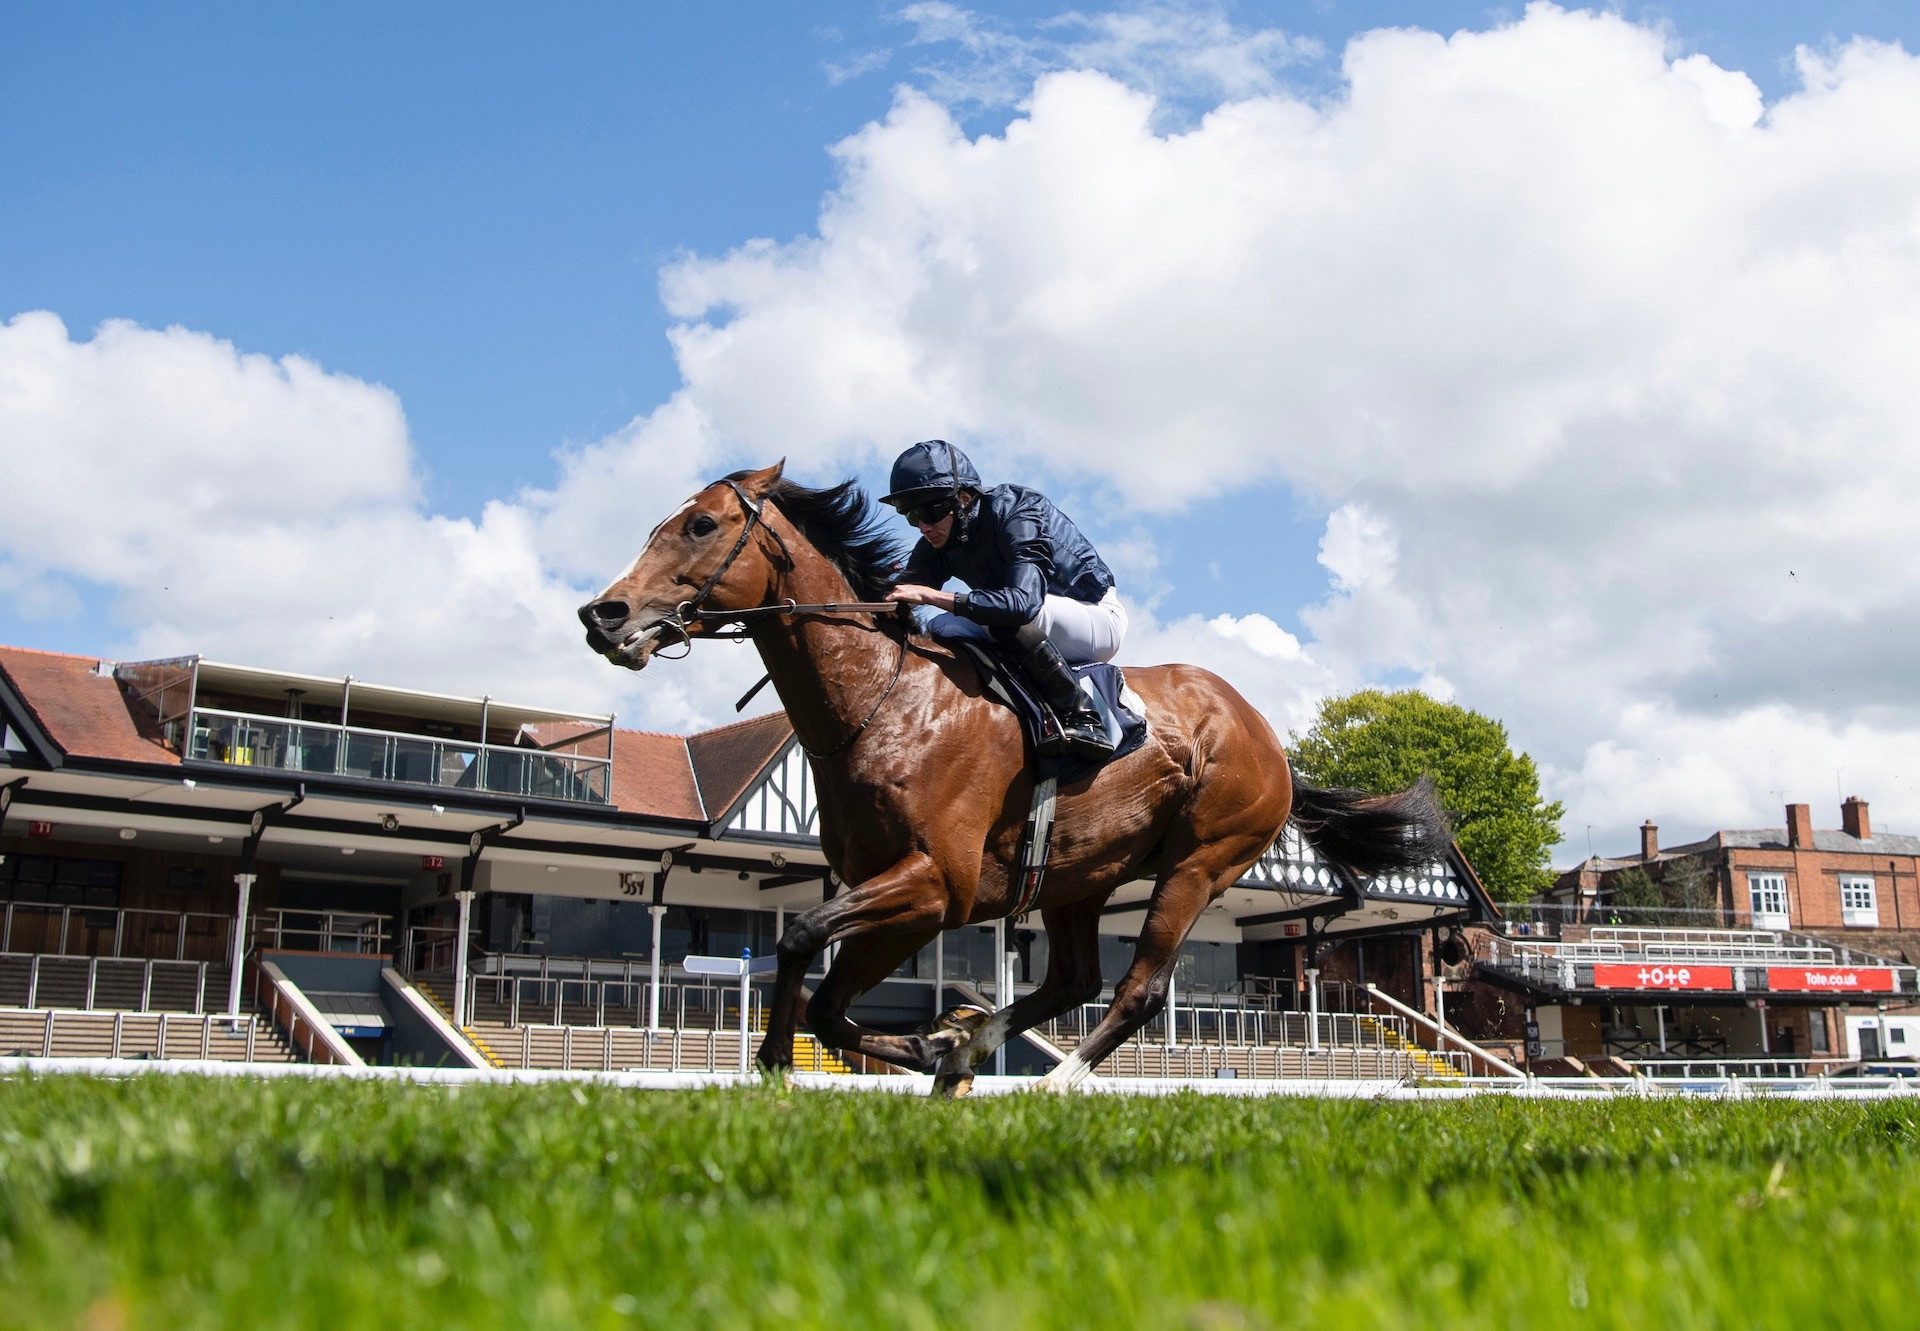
(1849, 886)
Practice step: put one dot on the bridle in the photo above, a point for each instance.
(688, 615)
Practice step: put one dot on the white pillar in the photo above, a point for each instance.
(1173, 994)
(939, 970)
(1313, 1008)
(237, 954)
(659, 913)
(746, 995)
(1880, 1011)
(460, 958)
(1001, 996)
(1660, 1020)
(1765, 1048)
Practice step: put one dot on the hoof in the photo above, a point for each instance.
(953, 1085)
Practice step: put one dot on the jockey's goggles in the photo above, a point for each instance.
(929, 513)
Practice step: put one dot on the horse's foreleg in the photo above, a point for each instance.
(1072, 978)
(909, 894)
(860, 964)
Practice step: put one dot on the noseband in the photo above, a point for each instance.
(688, 614)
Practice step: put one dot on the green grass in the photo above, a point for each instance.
(179, 1202)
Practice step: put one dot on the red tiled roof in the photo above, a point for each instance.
(652, 778)
(659, 776)
(84, 714)
(729, 759)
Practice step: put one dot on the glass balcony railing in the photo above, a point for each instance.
(422, 760)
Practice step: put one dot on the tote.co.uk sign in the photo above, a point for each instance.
(1830, 979)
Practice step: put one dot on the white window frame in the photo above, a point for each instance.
(1767, 896)
(1859, 903)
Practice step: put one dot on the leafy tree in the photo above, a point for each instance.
(1379, 742)
(1637, 899)
(1684, 896)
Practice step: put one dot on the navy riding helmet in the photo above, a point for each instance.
(927, 471)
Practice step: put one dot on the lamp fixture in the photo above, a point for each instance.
(128, 834)
(389, 823)
(346, 850)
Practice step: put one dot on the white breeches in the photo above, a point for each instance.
(1082, 633)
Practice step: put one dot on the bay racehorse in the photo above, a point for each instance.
(924, 787)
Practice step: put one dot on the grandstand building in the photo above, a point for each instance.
(1793, 944)
(213, 860)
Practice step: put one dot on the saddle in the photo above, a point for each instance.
(1120, 710)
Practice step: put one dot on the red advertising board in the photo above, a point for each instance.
(1830, 979)
(1665, 975)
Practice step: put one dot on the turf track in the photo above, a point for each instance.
(182, 1202)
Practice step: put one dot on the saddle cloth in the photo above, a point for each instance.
(1102, 683)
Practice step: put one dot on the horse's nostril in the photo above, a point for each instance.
(604, 615)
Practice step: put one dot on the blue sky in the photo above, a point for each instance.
(471, 204)
(474, 206)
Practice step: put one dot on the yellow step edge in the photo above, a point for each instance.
(1421, 1057)
(486, 1050)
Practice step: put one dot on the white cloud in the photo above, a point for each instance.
(1259, 658)
(1601, 368)
(266, 511)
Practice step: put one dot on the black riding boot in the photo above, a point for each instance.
(1081, 733)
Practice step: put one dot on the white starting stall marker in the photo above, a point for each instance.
(746, 966)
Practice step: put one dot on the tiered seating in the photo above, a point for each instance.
(1260, 1042)
(129, 984)
(62, 1033)
(127, 1007)
(585, 1045)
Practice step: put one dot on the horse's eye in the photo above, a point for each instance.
(702, 525)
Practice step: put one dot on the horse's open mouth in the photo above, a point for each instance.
(638, 647)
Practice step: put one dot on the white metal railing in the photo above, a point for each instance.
(124, 1032)
(1240, 1027)
(686, 1002)
(1275, 1062)
(42, 928)
(120, 973)
(247, 739)
(323, 931)
(73, 930)
(1732, 1067)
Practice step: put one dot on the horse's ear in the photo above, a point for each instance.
(759, 484)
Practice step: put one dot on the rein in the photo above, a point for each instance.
(689, 613)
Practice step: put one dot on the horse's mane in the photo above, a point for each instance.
(845, 527)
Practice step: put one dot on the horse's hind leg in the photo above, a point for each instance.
(1073, 978)
(1182, 893)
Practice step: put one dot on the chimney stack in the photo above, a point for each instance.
(1649, 840)
(1800, 827)
(1853, 817)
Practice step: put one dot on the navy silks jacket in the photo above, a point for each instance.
(1018, 547)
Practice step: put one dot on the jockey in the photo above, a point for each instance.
(1032, 578)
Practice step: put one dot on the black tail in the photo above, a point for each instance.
(1373, 834)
